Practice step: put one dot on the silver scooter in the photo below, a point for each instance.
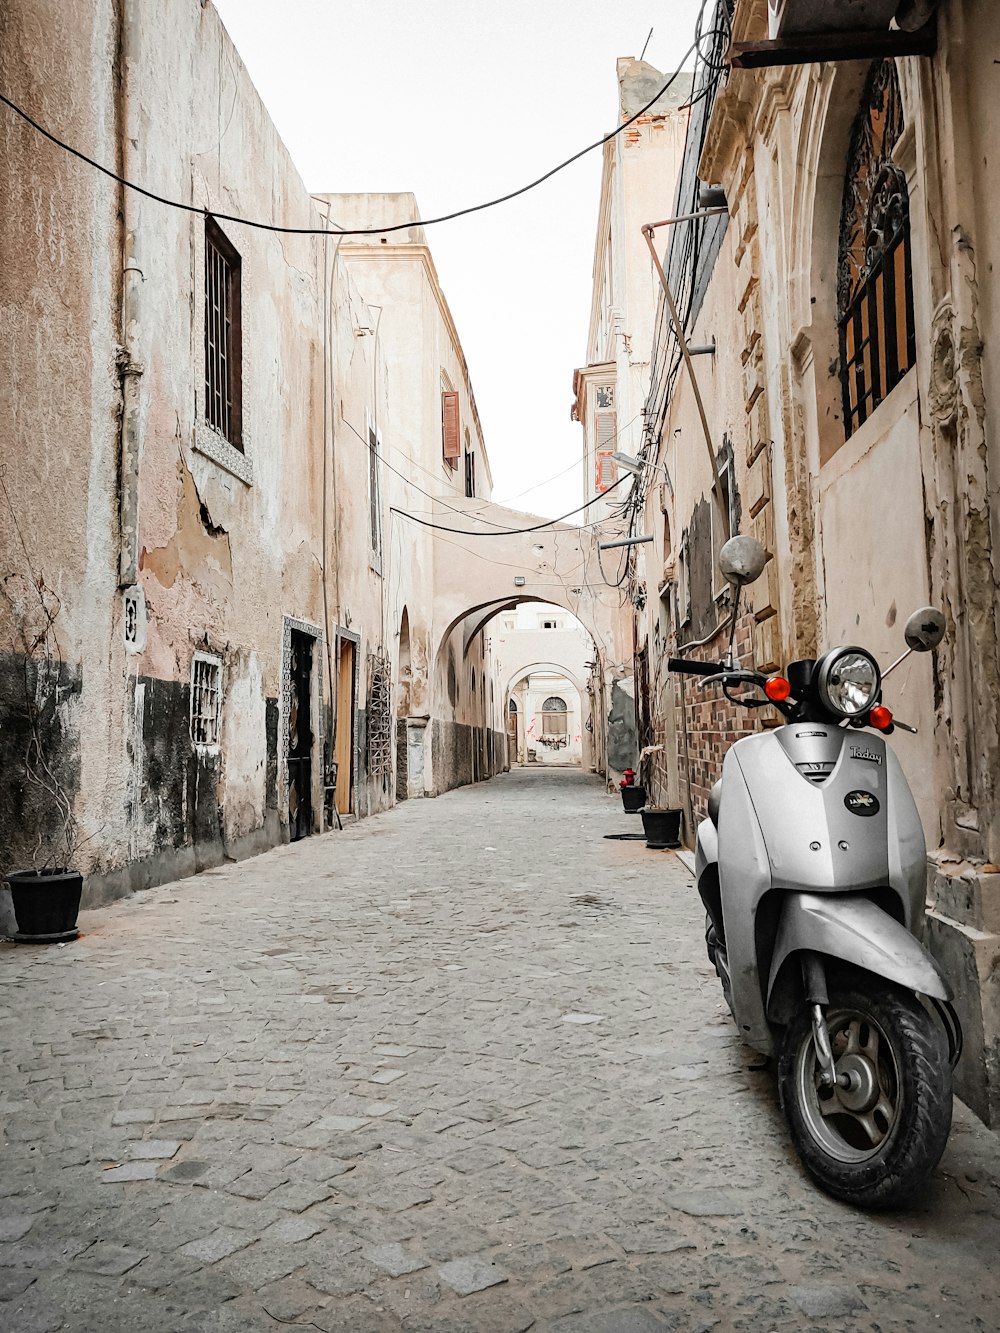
(811, 866)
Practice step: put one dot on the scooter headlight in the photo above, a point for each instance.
(848, 682)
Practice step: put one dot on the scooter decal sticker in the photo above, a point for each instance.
(861, 803)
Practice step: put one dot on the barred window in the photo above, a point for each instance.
(874, 274)
(206, 699)
(223, 337)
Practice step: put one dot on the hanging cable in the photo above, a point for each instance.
(508, 532)
(357, 231)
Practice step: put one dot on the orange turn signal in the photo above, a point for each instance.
(880, 718)
(777, 689)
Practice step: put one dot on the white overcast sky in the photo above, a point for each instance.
(460, 102)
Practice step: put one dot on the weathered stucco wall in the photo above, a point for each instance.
(228, 550)
(59, 400)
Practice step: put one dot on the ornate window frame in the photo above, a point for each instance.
(875, 312)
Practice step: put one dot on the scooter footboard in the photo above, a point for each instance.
(850, 927)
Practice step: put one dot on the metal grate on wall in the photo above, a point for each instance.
(379, 716)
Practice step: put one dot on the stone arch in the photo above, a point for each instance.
(485, 611)
(532, 560)
(532, 668)
(585, 703)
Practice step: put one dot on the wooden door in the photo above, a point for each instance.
(344, 738)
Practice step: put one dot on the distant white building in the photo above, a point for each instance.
(543, 655)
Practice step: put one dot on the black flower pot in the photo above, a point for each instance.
(46, 903)
(662, 826)
(633, 799)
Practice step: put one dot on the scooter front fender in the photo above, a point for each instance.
(851, 927)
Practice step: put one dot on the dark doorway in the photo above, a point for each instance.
(300, 737)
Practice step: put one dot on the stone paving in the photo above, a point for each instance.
(462, 1067)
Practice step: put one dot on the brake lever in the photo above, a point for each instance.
(732, 676)
(904, 726)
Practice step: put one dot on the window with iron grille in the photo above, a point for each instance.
(874, 274)
(206, 699)
(223, 337)
(470, 471)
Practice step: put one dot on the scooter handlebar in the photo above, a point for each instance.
(690, 667)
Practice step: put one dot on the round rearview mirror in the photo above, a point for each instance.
(742, 560)
(924, 629)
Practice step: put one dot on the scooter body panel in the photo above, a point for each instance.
(807, 808)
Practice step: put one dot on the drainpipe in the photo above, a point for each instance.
(130, 368)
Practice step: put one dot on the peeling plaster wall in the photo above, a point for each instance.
(226, 548)
(59, 401)
(230, 549)
(228, 545)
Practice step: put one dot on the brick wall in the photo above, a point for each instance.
(712, 723)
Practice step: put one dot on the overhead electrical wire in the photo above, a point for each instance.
(508, 532)
(356, 231)
(462, 513)
(471, 513)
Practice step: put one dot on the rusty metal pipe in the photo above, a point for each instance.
(688, 217)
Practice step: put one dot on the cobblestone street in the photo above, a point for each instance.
(461, 1067)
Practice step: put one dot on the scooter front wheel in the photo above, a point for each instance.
(874, 1137)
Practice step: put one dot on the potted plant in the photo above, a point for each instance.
(42, 827)
(662, 826)
(661, 823)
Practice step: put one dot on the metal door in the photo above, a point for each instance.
(300, 737)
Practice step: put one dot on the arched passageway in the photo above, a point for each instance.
(548, 712)
(459, 682)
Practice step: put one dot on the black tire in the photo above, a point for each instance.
(875, 1143)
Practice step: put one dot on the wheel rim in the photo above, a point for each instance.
(854, 1120)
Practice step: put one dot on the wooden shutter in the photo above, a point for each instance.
(606, 434)
(605, 472)
(607, 430)
(451, 436)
